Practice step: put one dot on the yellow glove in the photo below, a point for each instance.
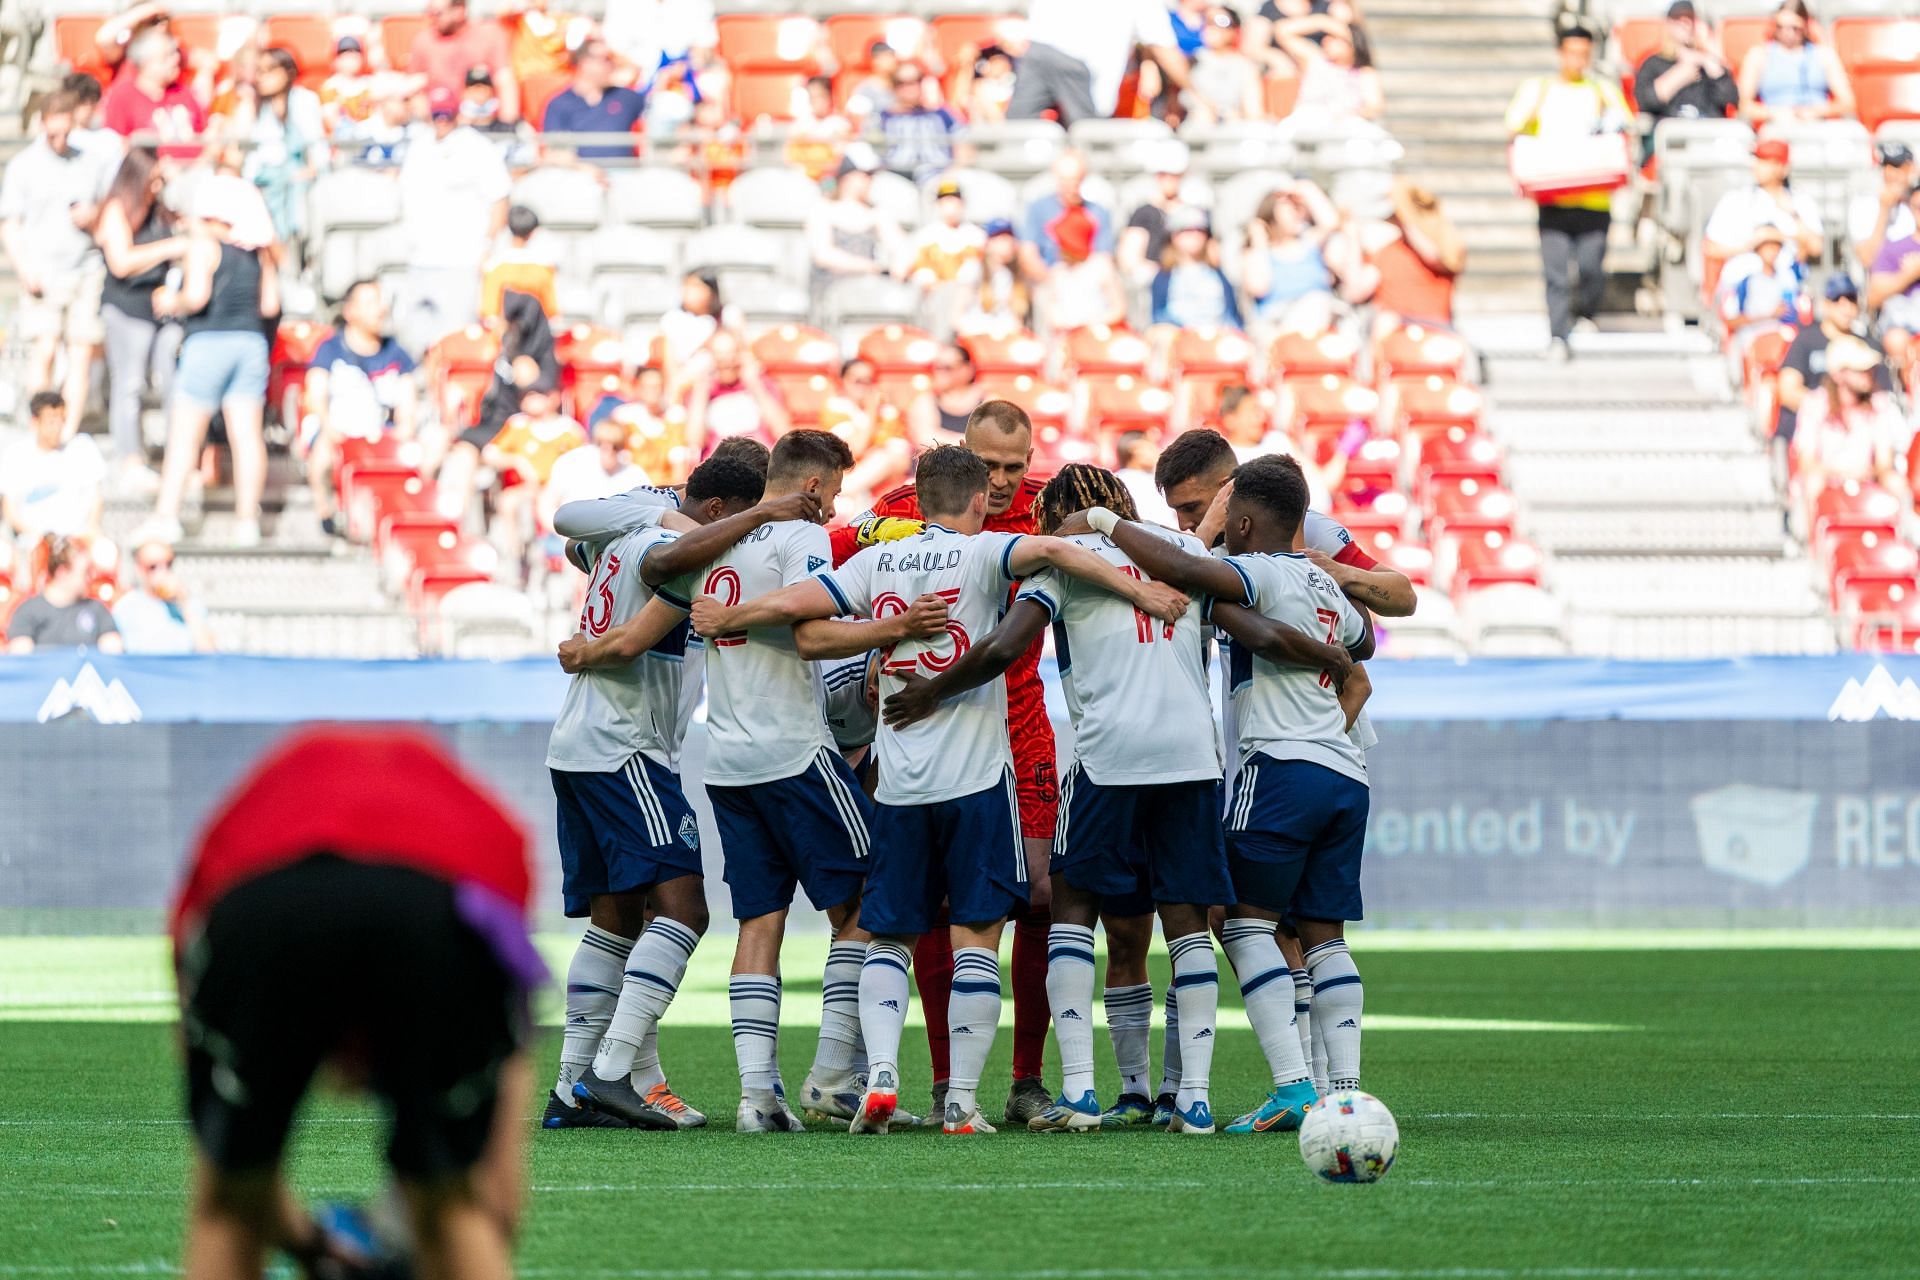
(885, 529)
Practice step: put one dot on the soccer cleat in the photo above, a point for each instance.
(663, 1099)
(1028, 1099)
(1196, 1119)
(971, 1122)
(831, 1099)
(1163, 1109)
(617, 1098)
(579, 1116)
(1283, 1110)
(780, 1096)
(936, 1114)
(762, 1111)
(1081, 1116)
(1131, 1110)
(877, 1105)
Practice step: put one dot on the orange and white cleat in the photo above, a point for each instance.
(662, 1098)
(877, 1104)
(968, 1122)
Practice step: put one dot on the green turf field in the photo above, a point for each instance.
(1575, 1111)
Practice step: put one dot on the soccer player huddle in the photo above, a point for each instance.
(877, 735)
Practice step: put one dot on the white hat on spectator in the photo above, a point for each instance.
(1168, 156)
(222, 197)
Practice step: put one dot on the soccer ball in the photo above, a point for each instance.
(1349, 1137)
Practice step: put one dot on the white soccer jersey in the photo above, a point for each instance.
(612, 713)
(764, 718)
(850, 719)
(1291, 713)
(1136, 687)
(962, 747)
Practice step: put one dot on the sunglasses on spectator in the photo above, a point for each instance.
(1789, 24)
(154, 566)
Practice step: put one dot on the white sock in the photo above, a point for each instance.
(1337, 1000)
(860, 1064)
(1070, 999)
(1266, 988)
(654, 970)
(647, 1073)
(1303, 1012)
(883, 1004)
(1196, 990)
(1129, 1023)
(754, 999)
(1170, 1046)
(593, 988)
(839, 1010)
(973, 1016)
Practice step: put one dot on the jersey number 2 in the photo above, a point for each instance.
(723, 584)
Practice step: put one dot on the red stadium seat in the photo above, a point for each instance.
(1100, 349)
(955, 32)
(1047, 406)
(397, 31)
(796, 348)
(1197, 396)
(1125, 402)
(1740, 35)
(587, 353)
(1009, 353)
(1329, 400)
(408, 539)
(374, 490)
(850, 35)
(1888, 623)
(354, 451)
(1415, 349)
(1866, 43)
(1470, 558)
(1880, 96)
(1468, 502)
(1212, 351)
(1856, 555)
(294, 345)
(766, 93)
(73, 43)
(1763, 356)
(428, 587)
(1294, 355)
(1282, 92)
(214, 34)
(1458, 448)
(537, 90)
(806, 394)
(1378, 460)
(1056, 445)
(1852, 505)
(1384, 542)
(901, 387)
(895, 348)
(308, 37)
(1634, 41)
(761, 41)
(1430, 401)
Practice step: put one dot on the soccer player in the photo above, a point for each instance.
(1145, 776)
(628, 839)
(357, 901)
(1000, 433)
(1297, 820)
(946, 824)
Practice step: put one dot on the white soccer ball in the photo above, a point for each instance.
(1349, 1137)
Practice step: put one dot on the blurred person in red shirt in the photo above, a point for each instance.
(452, 44)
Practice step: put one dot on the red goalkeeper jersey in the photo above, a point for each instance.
(1029, 731)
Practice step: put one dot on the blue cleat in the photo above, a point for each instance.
(561, 1116)
(1079, 1116)
(1163, 1110)
(1196, 1119)
(1130, 1111)
(1282, 1111)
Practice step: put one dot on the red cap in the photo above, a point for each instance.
(442, 101)
(1074, 231)
(1774, 149)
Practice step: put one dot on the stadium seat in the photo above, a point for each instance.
(462, 362)
(1889, 622)
(1211, 351)
(1429, 400)
(1512, 619)
(1051, 408)
(1466, 558)
(1282, 91)
(375, 490)
(759, 41)
(539, 89)
(566, 199)
(1881, 96)
(1432, 631)
(793, 348)
(806, 394)
(1743, 33)
(1635, 39)
(1197, 397)
(1017, 352)
(1124, 402)
(294, 343)
(1457, 450)
(1018, 150)
(987, 195)
(73, 43)
(1854, 555)
(217, 34)
(655, 197)
(1851, 504)
(1118, 146)
(361, 199)
(743, 250)
(1298, 355)
(1467, 503)
(397, 31)
(620, 251)
(1876, 43)
(898, 348)
(772, 197)
(587, 353)
(1386, 544)
(1415, 349)
(1329, 400)
(1100, 349)
(767, 93)
(850, 35)
(896, 197)
(952, 33)
(1871, 600)
(308, 37)
(354, 450)
(407, 539)
(855, 301)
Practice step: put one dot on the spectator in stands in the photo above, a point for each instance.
(159, 615)
(1037, 219)
(599, 468)
(346, 95)
(520, 265)
(983, 87)
(1685, 78)
(1225, 83)
(1084, 287)
(524, 456)
(1893, 289)
(713, 148)
(1848, 430)
(1791, 77)
(592, 103)
(380, 141)
(88, 132)
(732, 396)
(1758, 290)
(1143, 241)
(1079, 53)
(1805, 364)
(874, 431)
(453, 203)
(1337, 76)
(1734, 225)
(1873, 220)
(63, 616)
(872, 96)
(49, 482)
(996, 295)
(538, 40)
(228, 293)
(686, 330)
(1294, 259)
(919, 141)
(1409, 253)
(656, 36)
(1573, 229)
(50, 196)
(527, 359)
(452, 44)
(281, 119)
(152, 98)
(360, 386)
(847, 235)
(1136, 453)
(139, 240)
(1191, 292)
(1247, 423)
(941, 252)
(656, 429)
(818, 133)
(938, 415)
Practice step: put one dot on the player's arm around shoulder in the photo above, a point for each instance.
(983, 662)
(1035, 552)
(696, 550)
(625, 643)
(1172, 561)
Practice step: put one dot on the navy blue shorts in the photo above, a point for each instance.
(967, 851)
(1110, 839)
(1294, 835)
(809, 831)
(622, 831)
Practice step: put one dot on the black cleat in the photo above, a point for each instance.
(1028, 1099)
(618, 1098)
(561, 1116)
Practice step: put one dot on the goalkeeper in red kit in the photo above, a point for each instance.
(1001, 435)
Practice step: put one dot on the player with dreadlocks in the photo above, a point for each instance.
(1140, 809)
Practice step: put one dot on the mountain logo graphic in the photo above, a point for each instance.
(1877, 695)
